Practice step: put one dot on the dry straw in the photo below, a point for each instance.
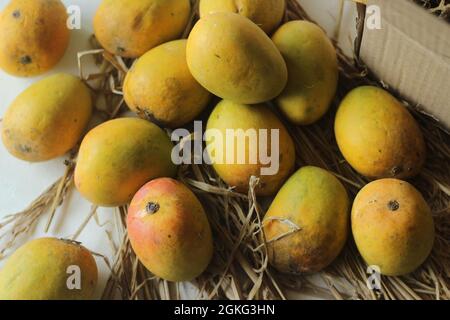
(440, 8)
(240, 267)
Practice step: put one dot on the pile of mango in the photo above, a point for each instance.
(240, 52)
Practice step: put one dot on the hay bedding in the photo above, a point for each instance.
(440, 8)
(240, 268)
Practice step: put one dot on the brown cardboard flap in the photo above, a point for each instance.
(411, 53)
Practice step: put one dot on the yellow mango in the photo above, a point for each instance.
(49, 269)
(267, 14)
(129, 28)
(378, 136)
(307, 224)
(34, 36)
(160, 86)
(313, 71)
(392, 226)
(246, 121)
(118, 157)
(48, 118)
(234, 59)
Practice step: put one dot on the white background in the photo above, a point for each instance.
(22, 182)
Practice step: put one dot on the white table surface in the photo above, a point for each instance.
(22, 182)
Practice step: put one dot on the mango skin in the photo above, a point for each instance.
(267, 14)
(230, 115)
(317, 202)
(235, 60)
(39, 271)
(169, 230)
(392, 226)
(118, 157)
(47, 119)
(313, 71)
(129, 28)
(160, 85)
(378, 136)
(34, 36)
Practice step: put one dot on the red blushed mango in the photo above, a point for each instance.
(169, 230)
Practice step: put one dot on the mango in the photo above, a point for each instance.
(378, 136)
(307, 224)
(34, 36)
(234, 59)
(118, 157)
(267, 14)
(313, 71)
(160, 86)
(129, 28)
(47, 119)
(254, 130)
(392, 226)
(49, 269)
(169, 230)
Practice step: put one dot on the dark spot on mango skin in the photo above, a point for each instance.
(152, 207)
(294, 267)
(393, 205)
(40, 22)
(309, 110)
(24, 148)
(137, 22)
(396, 170)
(120, 50)
(139, 18)
(26, 60)
(145, 114)
(312, 260)
(16, 14)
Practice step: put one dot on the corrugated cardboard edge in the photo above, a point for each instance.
(411, 54)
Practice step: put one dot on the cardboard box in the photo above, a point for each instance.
(410, 52)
